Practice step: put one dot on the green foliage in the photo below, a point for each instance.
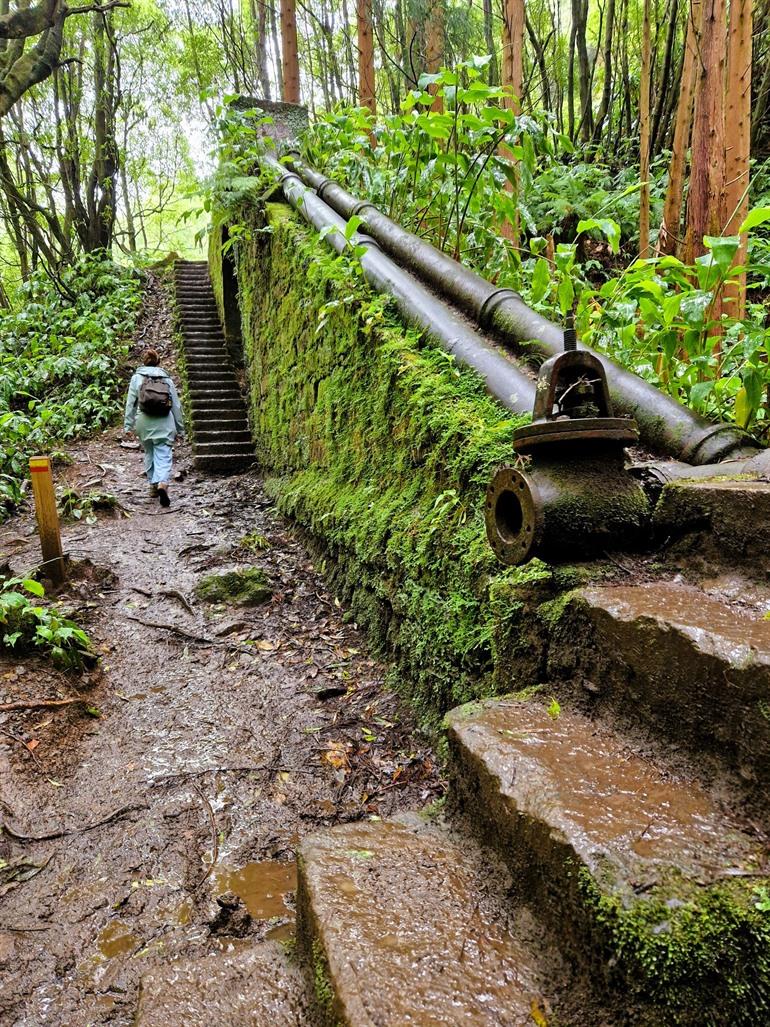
(27, 625)
(441, 175)
(76, 506)
(61, 363)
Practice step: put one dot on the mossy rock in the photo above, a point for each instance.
(248, 586)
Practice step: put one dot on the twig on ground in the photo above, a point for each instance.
(200, 639)
(37, 704)
(173, 593)
(214, 835)
(67, 832)
(23, 744)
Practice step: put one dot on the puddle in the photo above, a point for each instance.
(262, 886)
(115, 939)
(283, 932)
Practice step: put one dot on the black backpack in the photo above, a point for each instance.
(155, 396)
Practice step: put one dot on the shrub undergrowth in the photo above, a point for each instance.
(61, 362)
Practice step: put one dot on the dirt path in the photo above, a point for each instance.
(222, 737)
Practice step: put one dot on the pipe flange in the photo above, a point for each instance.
(492, 302)
(512, 514)
(361, 205)
(583, 430)
(322, 186)
(368, 241)
(694, 445)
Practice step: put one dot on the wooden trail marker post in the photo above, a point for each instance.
(47, 516)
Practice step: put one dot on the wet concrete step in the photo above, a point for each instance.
(681, 661)
(397, 926)
(256, 986)
(219, 379)
(623, 863)
(224, 463)
(215, 395)
(207, 410)
(725, 521)
(228, 448)
(202, 436)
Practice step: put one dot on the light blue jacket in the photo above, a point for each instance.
(153, 429)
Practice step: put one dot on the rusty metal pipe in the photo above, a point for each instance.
(507, 382)
(571, 506)
(665, 425)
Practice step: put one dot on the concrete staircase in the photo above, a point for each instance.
(220, 432)
(590, 871)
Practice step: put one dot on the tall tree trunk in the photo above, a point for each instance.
(489, 42)
(705, 203)
(539, 49)
(669, 240)
(366, 79)
(289, 51)
(738, 136)
(434, 45)
(580, 22)
(665, 86)
(604, 105)
(514, 21)
(571, 82)
(644, 134)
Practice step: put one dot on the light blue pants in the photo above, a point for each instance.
(157, 461)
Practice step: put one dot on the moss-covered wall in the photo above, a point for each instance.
(382, 447)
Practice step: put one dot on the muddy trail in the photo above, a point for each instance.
(163, 822)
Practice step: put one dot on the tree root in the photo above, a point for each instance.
(67, 832)
(37, 704)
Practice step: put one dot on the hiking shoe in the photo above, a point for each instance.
(153, 491)
(163, 497)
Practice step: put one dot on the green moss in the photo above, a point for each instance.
(551, 611)
(322, 986)
(706, 950)
(248, 586)
(382, 446)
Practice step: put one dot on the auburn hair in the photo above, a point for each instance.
(150, 358)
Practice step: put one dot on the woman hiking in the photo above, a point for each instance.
(154, 412)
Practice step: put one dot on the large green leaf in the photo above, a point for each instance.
(755, 217)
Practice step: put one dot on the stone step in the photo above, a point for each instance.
(397, 926)
(226, 447)
(215, 394)
(680, 661)
(206, 437)
(224, 463)
(214, 420)
(205, 350)
(623, 863)
(723, 521)
(218, 405)
(217, 380)
(254, 985)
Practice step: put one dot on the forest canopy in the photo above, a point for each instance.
(601, 156)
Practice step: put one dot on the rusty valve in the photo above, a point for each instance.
(576, 495)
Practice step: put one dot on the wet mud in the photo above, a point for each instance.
(162, 825)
